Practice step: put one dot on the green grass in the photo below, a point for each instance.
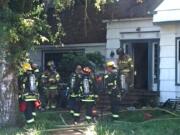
(44, 120)
(133, 123)
(129, 123)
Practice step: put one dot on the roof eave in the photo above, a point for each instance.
(127, 19)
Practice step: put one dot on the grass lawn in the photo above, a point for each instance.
(134, 123)
(129, 123)
(44, 121)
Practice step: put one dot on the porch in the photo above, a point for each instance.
(133, 98)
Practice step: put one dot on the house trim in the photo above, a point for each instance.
(176, 54)
(132, 32)
(127, 19)
(44, 52)
(70, 46)
(150, 72)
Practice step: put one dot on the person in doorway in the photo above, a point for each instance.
(125, 67)
(50, 83)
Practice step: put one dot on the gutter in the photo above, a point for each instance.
(128, 19)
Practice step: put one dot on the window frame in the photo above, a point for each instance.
(177, 61)
(155, 60)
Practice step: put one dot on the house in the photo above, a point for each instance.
(149, 32)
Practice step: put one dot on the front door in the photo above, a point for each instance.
(140, 52)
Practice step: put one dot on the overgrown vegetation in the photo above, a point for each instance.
(71, 60)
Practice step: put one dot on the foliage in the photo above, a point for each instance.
(71, 60)
(99, 3)
(24, 25)
(96, 58)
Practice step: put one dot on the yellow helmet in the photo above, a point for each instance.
(50, 63)
(26, 67)
(111, 64)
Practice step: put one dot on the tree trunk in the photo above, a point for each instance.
(8, 95)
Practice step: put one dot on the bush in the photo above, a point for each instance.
(71, 60)
(97, 59)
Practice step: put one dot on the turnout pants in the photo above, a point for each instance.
(89, 108)
(30, 112)
(114, 106)
(51, 99)
(77, 109)
(71, 104)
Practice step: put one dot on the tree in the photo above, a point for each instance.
(23, 25)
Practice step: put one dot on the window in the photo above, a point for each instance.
(178, 61)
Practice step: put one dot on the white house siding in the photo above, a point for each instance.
(177, 88)
(126, 29)
(168, 34)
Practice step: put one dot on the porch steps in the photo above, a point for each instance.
(134, 97)
(173, 104)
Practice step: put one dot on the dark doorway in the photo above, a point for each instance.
(140, 65)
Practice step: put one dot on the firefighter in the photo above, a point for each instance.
(28, 96)
(125, 66)
(36, 72)
(75, 93)
(89, 94)
(50, 83)
(111, 86)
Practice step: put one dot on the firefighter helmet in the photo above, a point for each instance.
(50, 63)
(87, 70)
(120, 51)
(34, 66)
(111, 64)
(26, 67)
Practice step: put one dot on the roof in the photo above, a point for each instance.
(167, 11)
(76, 30)
(130, 9)
(169, 5)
